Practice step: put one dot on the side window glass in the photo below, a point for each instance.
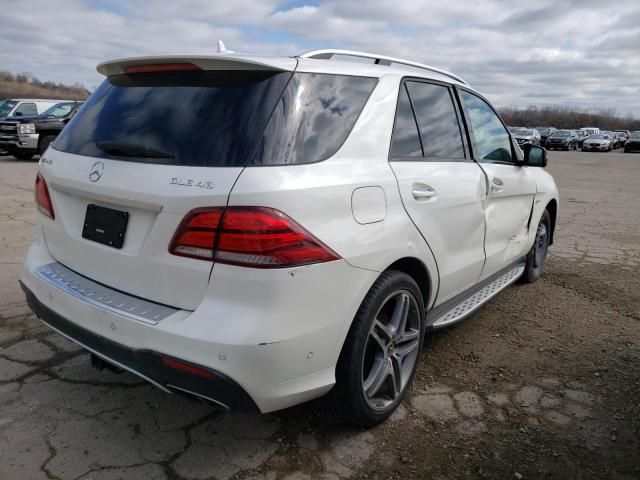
(437, 120)
(491, 138)
(27, 109)
(405, 141)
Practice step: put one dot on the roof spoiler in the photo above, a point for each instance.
(225, 61)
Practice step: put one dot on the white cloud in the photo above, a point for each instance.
(578, 52)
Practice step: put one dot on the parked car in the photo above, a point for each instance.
(562, 139)
(582, 136)
(24, 107)
(590, 130)
(545, 132)
(527, 135)
(626, 133)
(597, 142)
(633, 144)
(620, 138)
(24, 137)
(612, 137)
(395, 202)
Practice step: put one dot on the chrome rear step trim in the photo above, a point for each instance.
(475, 301)
(199, 395)
(103, 297)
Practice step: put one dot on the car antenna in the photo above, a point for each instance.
(222, 48)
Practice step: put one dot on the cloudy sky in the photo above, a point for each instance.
(584, 53)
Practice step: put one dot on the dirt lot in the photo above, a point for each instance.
(544, 382)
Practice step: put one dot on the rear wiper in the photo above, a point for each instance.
(132, 150)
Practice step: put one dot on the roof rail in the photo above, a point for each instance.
(328, 53)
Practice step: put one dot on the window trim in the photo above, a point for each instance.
(516, 155)
(459, 116)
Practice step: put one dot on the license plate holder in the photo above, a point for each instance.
(105, 225)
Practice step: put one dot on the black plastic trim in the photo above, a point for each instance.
(220, 389)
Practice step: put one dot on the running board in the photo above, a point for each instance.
(469, 303)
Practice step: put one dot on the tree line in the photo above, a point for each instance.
(23, 85)
(568, 117)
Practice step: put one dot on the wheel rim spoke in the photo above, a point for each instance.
(381, 342)
(407, 336)
(387, 334)
(406, 348)
(378, 375)
(398, 320)
(395, 372)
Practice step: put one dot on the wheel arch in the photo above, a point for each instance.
(552, 208)
(47, 133)
(417, 270)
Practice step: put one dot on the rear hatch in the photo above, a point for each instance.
(152, 143)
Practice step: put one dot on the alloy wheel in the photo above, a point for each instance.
(540, 245)
(391, 351)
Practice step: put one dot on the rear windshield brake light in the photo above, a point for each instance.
(162, 67)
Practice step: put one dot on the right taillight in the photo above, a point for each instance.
(257, 237)
(43, 200)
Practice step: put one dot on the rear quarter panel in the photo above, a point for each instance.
(319, 197)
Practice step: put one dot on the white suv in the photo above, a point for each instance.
(258, 231)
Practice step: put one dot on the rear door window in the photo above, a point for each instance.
(26, 109)
(405, 140)
(217, 118)
(437, 120)
(312, 119)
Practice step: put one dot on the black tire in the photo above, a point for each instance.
(23, 155)
(538, 253)
(348, 396)
(44, 143)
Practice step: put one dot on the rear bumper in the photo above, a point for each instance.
(151, 366)
(275, 336)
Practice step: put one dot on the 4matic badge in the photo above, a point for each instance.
(190, 182)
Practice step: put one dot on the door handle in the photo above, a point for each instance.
(421, 191)
(497, 185)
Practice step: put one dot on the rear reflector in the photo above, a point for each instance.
(257, 237)
(187, 367)
(162, 67)
(43, 200)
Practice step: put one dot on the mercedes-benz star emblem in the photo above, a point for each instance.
(96, 171)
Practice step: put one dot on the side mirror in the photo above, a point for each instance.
(18, 114)
(534, 156)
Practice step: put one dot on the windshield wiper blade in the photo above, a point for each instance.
(132, 150)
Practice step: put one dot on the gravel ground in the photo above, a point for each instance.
(543, 382)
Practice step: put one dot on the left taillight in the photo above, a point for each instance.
(257, 237)
(43, 200)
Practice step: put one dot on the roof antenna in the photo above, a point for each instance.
(222, 48)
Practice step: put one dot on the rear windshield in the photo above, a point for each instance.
(217, 118)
